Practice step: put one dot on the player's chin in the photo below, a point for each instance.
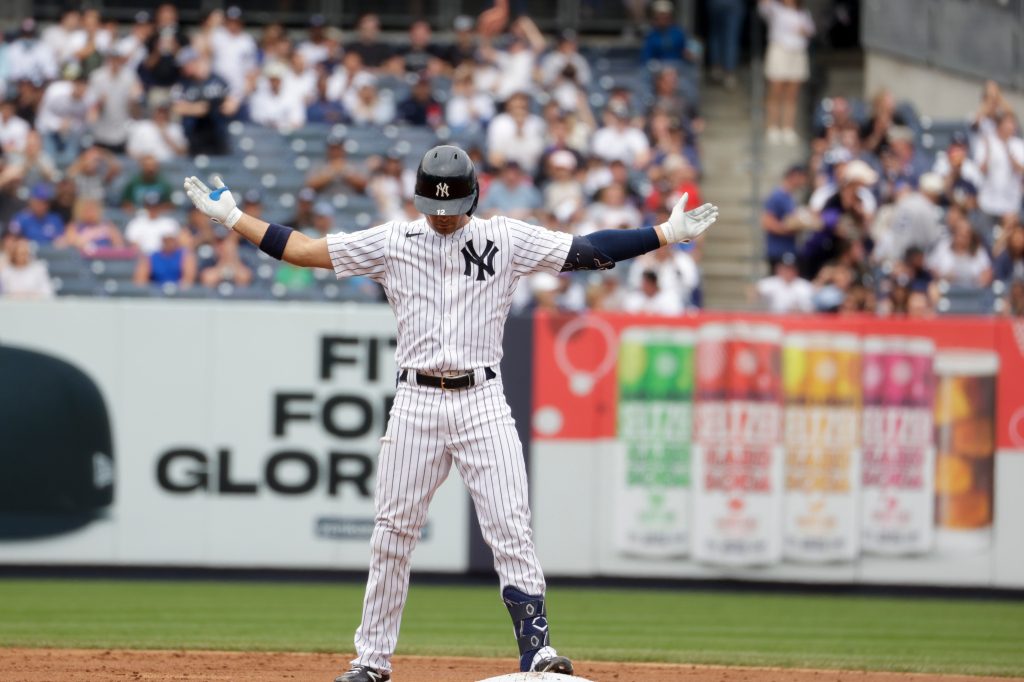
(444, 223)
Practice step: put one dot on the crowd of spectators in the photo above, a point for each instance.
(95, 112)
(873, 223)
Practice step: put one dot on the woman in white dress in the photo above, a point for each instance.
(786, 65)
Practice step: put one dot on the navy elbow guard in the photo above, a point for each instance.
(583, 255)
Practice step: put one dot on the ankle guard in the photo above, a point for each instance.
(529, 621)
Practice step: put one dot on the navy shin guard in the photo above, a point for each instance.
(530, 622)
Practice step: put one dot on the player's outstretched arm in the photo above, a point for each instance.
(601, 250)
(280, 242)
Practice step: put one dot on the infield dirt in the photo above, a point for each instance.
(103, 665)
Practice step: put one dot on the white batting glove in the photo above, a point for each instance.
(683, 225)
(218, 204)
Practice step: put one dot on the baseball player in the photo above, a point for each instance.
(449, 277)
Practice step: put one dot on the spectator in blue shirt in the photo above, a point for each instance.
(511, 194)
(780, 236)
(666, 41)
(37, 222)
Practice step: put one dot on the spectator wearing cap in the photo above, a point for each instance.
(323, 220)
(390, 184)
(516, 135)
(337, 175)
(37, 222)
(149, 226)
(148, 179)
(368, 105)
(463, 49)
(160, 68)
(228, 266)
(171, 263)
(133, 45)
(957, 169)
(156, 135)
(916, 221)
(1000, 158)
(204, 102)
(649, 298)
(620, 140)
(316, 48)
(845, 217)
(420, 108)
(781, 217)
(785, 291)
(858, 171)
(13, 128)
(666, 41)
(24, 276)
(89, 231)
(323, 109)
(566, 53)
(64, 112)
(725, 21)
(29, 58)
(959, 258)
(93, 172)
(1009, 263)
(235, 54)
(273, 104)
(30, 166)
(563, 192)
(467, 109)
(786, 65)
(114, 89)
(511, 194)
(368, 45)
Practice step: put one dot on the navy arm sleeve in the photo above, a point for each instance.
(601, 250)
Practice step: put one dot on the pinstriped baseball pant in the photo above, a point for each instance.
(430, 429)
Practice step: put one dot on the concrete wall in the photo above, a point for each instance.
(935, 92)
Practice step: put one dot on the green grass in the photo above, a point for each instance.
(923, 635)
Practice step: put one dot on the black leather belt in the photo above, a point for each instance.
(466, 380)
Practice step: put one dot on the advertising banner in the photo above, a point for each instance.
(822, 448)
(238, 435)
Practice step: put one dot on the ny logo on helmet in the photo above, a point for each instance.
(442, 190)
(483, 261)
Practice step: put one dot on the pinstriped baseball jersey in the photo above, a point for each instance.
(450, 293)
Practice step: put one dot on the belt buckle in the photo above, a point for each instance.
(443, 386)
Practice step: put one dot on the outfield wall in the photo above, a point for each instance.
(793, 449)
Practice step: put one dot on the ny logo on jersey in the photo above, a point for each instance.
(483, 261)
(442, 190)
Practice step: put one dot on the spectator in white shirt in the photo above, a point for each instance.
(13, 129)
(58, 36)
(677, 271)
(960, 259)
(467, 109)
(316, 48)
(274, 105)
(785, 292)
(133, 45)
(29, 58)
(650, 298)
(347, 77)
(517, 63)
(516, 135)
(619, 140)
(563, 192)
(235, 54)
(90, 42)
(1000, 158)
(115, 88)
(565, 53)
(786, 65)
(150, 225)
(64, 112)
(369, 106)
(612, 210)
(157, 136)
(24, 276)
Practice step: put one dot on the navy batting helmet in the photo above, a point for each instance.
(446, 182)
